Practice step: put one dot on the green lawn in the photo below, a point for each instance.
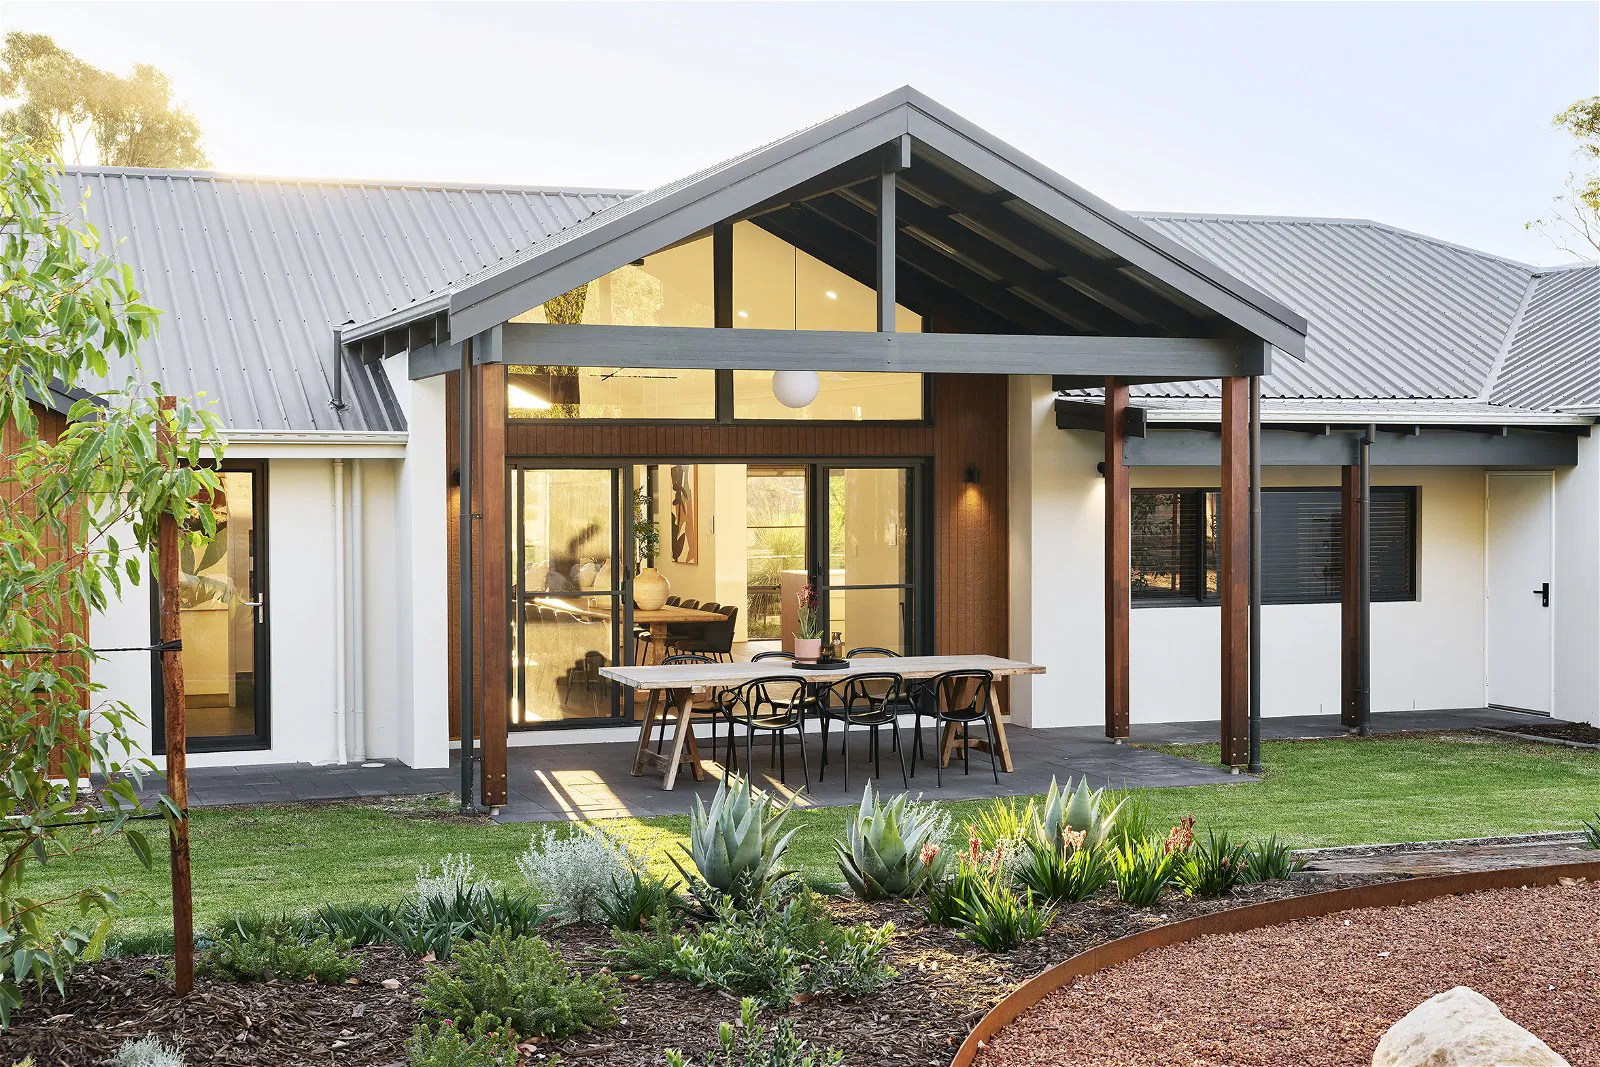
(1334, 792)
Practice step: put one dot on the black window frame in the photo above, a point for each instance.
(1200, 501)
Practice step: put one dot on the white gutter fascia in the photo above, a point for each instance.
(424, 309)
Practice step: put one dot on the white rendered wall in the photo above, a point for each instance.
(1575, 586)
(419, 657)
(1426, 654)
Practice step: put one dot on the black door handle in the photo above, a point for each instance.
(1543, 593)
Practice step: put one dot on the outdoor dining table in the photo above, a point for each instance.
(696, 680)
(656, 620)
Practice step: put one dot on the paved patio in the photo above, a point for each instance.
(593, 781)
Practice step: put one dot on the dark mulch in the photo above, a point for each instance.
(945, 985)
(1581, 732)
(1321, 992)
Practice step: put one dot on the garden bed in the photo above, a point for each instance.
(1322, 991)
(945, 985)
(1575, 733)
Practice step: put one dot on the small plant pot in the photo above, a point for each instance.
(649, 589)
(808, 649)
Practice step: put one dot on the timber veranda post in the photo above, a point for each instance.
(168, 578)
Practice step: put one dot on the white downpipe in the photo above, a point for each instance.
(339, 631)
(358, 658)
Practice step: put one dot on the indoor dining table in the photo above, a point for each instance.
(656, 620)
(697, 680)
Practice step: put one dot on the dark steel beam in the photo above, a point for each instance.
(1091, 415)
(949, 353)
(935, 228)
(853, 220)
(1200, 447)
(1095, 277)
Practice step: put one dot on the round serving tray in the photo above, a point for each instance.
(820, 665)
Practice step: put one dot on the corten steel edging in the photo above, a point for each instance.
(1253, 917)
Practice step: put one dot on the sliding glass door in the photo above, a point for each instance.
(864, 518)
(571, 545)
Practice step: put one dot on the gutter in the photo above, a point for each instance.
(350, 438)
(1387, 416)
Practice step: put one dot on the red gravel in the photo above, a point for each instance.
(1320, 992)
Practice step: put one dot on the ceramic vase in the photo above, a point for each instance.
(649, 589)
(808, 649)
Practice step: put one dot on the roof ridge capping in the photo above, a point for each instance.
(1336, 220)
(658, 217)
(366, 183)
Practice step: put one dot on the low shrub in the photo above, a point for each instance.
(1143, 870)
(360, 924)
(438, 923)
(147, 1051)
(1591, 832)
(581, 871)
(1136, 820)
(772, 952)
(1214, 867)
(458, 876)
(446, 1046)
(634, 900)
(893, 849)
(263, 950)
(1271, 860)
(1004, 825)
(978, 900)
(745, 1045)
(519, 983)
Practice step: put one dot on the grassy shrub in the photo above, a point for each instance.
(440, 923)
(978, 900)
(771, 952)
(263, 950)
(1143, 870)
(446, 1046)
(519, 983)
(1213, 867)
(1591, 832)
(1070, 874)
(634, 900)
(746, 1045)
(1271, 860)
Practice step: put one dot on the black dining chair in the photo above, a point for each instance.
(910, 690)
(772, 704)
(962, 699)
(872, 700)
(716, 638)
(812, 701)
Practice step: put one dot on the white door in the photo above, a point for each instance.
(1520, 530)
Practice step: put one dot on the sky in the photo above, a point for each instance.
(1434, 117)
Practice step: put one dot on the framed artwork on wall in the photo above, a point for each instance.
(685, 513)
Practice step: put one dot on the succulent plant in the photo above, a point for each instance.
(738, 842)
(1067, 814)
(893, 849)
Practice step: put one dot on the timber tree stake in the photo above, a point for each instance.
(168, 579)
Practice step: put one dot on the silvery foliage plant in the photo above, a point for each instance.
(457, 878)
(579, 871)
(147, 1051)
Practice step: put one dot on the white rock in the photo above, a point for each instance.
(1461, 1028)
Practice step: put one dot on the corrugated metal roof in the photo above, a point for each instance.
(1554, 358)
(1393, 314)
(252, 274)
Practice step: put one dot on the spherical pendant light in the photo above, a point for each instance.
(795, 388)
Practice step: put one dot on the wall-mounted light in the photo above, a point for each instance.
(830, 294)
(972, 474)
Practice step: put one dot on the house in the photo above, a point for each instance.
(1021, 424)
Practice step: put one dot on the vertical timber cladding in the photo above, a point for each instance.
(967, 430)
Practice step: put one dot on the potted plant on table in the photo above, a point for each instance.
(808, 626)
(649, 585)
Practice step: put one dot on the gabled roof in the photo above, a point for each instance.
(252, 274)
(1026, 192)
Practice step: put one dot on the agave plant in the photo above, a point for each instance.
(893, 849)
(1076, 819)
(738, 842)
